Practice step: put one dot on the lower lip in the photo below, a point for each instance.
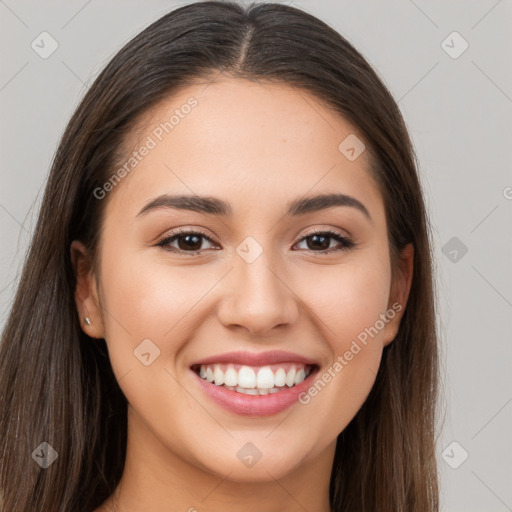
(255, 405)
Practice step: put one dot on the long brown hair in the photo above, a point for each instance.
(56, 383)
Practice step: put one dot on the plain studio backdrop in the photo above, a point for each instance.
(447, 65)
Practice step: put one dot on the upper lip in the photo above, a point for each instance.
(256, 359)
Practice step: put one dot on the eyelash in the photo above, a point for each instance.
(346, 243)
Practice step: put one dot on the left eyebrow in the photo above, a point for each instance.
(215, 206)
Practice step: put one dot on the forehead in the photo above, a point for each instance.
(248, 142)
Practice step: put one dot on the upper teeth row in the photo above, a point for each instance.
(247, 377)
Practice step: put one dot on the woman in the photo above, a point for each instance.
(228, 300)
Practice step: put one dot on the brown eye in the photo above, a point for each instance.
(187, 242)
(321, 242)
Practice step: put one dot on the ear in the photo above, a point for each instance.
(399, 294)
(86, 293)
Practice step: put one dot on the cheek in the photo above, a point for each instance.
(348, 298)
(349, 302)
(148, 297)
(148, 308)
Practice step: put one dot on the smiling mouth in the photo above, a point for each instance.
(254, 380)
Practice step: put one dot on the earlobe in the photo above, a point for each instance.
(86, 297)
(400, 289)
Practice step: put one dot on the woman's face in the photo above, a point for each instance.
(251, 280)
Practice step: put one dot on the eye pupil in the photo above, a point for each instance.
(322, 246)
(195, 245)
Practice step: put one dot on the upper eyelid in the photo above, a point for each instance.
(186, 231)
(202, 233)
(167, 238)
(331, 231)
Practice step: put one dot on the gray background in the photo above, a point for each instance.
(458, 111)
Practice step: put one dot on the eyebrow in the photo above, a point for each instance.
(214, 206)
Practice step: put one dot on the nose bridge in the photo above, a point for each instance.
(258, 298)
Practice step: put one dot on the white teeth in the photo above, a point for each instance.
(247, 391)
(218, 374)
(280, 378)
(300, 376)
(265, 378)
(290, 377)
(230, 377)
(246, 377)
(254, 381)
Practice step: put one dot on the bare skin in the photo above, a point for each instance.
(257, 147)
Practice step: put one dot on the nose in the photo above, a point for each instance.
(257, 297)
